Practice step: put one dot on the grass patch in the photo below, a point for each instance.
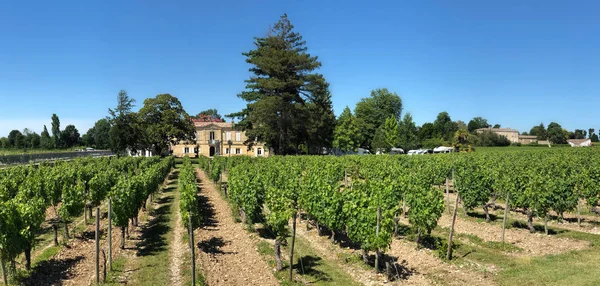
(46, 254)
(113, 277)
(314, 269)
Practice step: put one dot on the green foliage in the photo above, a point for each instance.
(476, 123)
(347, 133)
(489, 139)
(188, 188)
(408, 134)
(371, 112)
(163, 122)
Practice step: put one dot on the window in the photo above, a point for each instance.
(212, 135)
(238, 151)
(259, 152)
(238, 136)
(186, 150)
(228, 135)
(226, 150)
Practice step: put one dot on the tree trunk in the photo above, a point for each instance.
(55, 229)
(505, 215)
(90, 213)
(493, 203)
(278, 254)
(487, 212)
(27, 257)
(122, 237)
(293, 242)
(365, 256)
(85, 214)
(67, 231)
(404, 206)
(332, 236)
(419, 238)
(449, 253)
(4, 273)
(530, 221)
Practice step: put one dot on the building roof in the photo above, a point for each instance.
(497, 129)
(527, 137)
(208, 123)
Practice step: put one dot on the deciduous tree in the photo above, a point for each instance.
(476, 123)
(164, 121)
(372, 112)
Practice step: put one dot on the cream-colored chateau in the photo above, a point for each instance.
(512, 135)
(215, 137)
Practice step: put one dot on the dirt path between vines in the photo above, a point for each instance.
(227, 254)
(535, 244)
(74, 264)
(178, 249)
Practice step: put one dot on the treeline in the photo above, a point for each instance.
(160, 122)
(66, 138)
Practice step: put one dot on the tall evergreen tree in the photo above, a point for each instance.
(124, 131)
(346, 134)
(45, 139)
(408, 133)
(284, 93)
(56, 131)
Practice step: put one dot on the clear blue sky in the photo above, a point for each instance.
(516, 63)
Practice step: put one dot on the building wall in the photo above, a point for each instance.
(220, 144)
(512, 135)
(525, 141)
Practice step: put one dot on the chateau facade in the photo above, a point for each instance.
(215, 137)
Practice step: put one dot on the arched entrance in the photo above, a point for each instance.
(211, 151)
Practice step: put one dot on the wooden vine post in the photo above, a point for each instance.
(109, 234)
(449, 253)
(97, 246)
(448, 194)
(505, 215)
(293, 242)
(191, 232)
(377, 235)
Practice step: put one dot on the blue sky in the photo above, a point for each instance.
(516, 63)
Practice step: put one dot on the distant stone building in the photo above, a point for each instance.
(580, 142)
(215, 137)
(527, 139)
(512, 135)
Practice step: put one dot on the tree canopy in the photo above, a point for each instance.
(476, 123)
(372, 112)
(164, 122)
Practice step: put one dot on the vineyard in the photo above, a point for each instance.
(364, 198)
(68, 190)
(405, 217)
